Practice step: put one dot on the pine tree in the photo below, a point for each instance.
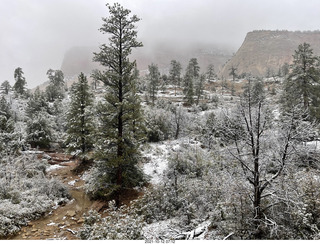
(8, 139)
(199, 87)
(117, 152)
(39, 130)
(5, 87)
(302, 84)
(20, 84)
(192, 74)
(210, 72)
(174, 74)
(80, 122)
(154, 81)
(55, 89)
(36, 103)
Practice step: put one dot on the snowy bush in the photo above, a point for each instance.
(189, 190)
(120, 224)
(157, 124)
(25, 192)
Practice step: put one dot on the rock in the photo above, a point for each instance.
(34, 230)
(71, 213)
(80, 221)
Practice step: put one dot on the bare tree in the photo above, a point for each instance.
(257, 144)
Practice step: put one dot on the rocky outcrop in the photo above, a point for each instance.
(264, 51)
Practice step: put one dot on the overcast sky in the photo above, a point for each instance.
(36, 33)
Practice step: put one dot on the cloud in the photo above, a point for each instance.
(35, 34)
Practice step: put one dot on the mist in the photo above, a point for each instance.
(35, 34)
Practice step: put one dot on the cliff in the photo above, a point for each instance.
(269, 50)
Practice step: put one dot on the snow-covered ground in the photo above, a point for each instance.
(157, 155)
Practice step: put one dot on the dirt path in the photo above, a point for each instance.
(63, 222)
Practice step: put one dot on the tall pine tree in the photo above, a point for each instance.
(303, 83)
(80, 124)
(120, 123)
(19, 85)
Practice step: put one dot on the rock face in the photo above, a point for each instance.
(269, 50)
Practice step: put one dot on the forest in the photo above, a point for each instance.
(182, 155)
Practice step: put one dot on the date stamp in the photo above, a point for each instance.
(152, 241)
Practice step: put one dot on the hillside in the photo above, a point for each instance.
(79, 59)
(269, 50)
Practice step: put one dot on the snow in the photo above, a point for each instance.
(53, 167)
(313, 145)
(157, 162)
(71, 183)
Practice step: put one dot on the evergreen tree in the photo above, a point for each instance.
(199, 87)
(174, 74)
(20, 83)
(55, 89)
(233, 73)
(36, 103)
(8, 139)
(5, 87)
(210, 72)
(154, 81)
(80, 122)
(39, 130)
(303, 80)
(192, 74)
(118, 143)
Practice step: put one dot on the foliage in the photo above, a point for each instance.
(80, 122)
(55, 89)
(302, 83)
(39, 130)
(120, 224)
(191, 75)
(25, 192)
(37, 102)
(154, 81)
(174, 74)
(121, 122)
(5, 87)
(19, 85)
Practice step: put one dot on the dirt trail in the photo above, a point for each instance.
(63, 222)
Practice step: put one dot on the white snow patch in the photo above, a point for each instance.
(54, 167)
(52, 223)
(71, 183)
(313, 145)
(157, 156)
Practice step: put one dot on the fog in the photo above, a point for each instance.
(35, 34)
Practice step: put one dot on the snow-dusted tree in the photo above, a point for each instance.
(210, 72)
(303, 83)
(154, 81)
(257, 145)
(118, 152)
(199, 87)
(175, 74)
(254, 90)
(5, 87)
(39, 130)
(80, 124)
(19, 85)
(233, 72)
(37, 102)
(7, 135)
(55, 89)
(179, 119)
(191, 75)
